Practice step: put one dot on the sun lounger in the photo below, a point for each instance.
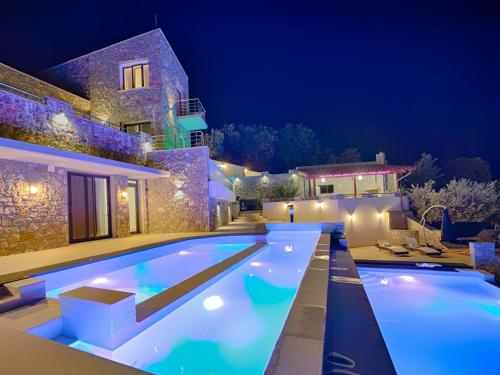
(395, 249)
(412, 244)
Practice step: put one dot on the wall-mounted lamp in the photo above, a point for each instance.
(380, 215)
(61, 119)
(350, 217)
(322, 179)
(33, 189)
(223, 165)
(320, 204)
(360, 177)
(124, 194)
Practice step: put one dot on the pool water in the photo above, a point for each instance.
(233, 325)
(436, 322)
(150, 277)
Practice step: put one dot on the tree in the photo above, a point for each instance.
(215, 142)
(427, 170)
(350, 155)
(465, 199)
(475, 169)
(296, 145)
(285, 189)
(249, 145)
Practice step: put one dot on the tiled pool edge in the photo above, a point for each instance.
(353, 340)
(30, 272)
(299, 347)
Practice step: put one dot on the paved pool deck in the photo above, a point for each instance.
(18, 266)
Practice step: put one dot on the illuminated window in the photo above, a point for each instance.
(135, 76)
(325, 189)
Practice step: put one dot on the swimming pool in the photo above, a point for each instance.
(232, 326)
(436, 322)
(149, 272)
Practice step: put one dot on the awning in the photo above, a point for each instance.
(352, 169)
(32, 153)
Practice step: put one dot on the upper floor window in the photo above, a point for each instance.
(326, 189)
(135, 76)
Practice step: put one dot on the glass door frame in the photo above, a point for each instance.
(70, 216)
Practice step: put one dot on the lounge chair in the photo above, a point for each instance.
(395, 249)
(412, 244)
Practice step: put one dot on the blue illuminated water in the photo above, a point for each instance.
(148, 278)
(435, 323)
(231, 327)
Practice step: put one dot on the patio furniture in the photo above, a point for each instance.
(394, 249)
(412, 244)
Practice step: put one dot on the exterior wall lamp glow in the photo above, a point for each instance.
(322, 179)
(33, 189)
(380, 215)
(124, 194)
(360, 177)
(320, 204)
(61, 119)
(350, 217)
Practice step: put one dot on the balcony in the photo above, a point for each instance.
(174, 140)
(191, 115)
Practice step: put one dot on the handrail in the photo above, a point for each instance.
(187, 107)
(96, 120)
(22, 93)
(175, 140)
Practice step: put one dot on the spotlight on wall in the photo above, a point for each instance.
(61, 119)
(350, 217)
(360, 177)
(124, 194)
(223, 165)
(320, 204)
(380, 215)
(33, 189)
(322, 179)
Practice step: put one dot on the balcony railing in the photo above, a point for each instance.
(190, 107)
(175, 140)
(22, 93)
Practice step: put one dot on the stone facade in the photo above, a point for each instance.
(35, 86)
(258, 187)
(220, 213)
(32, 220)
(483, 256)
(34, 122)
(121, 216)
(179, 202)
(97, 76)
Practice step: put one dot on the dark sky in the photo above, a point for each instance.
(404, 77)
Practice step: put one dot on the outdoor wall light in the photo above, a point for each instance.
(61, 119)
(322, 179)
(124, 194)
(223, 165)
(320, 204)
(350, 217)
(33, 189)
(360, 177)
(380, 215)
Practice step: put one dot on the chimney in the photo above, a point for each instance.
(380, 158)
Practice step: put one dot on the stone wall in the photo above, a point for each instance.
(32, 221)
(121, 215)
(54, 124)
(432, 236)
(97, 76)
(179, 202)
(25, 82)
(255, 187)
(483, 255)
(220, 213)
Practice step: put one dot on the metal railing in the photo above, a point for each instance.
(97, 120)
(190, 107)
(22, 93)
(176, 140)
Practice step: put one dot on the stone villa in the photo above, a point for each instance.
(106, 145)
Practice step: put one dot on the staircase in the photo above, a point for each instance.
(250, 217)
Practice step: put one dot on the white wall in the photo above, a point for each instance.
(366, 219)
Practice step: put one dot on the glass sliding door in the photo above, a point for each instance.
(133, 207)
(89, 207)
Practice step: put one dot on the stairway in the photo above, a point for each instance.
(246, 222)
(250, 217)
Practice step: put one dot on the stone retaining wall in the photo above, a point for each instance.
(220, 213)
(25, 82)
(55, 125)
(32, 221)
(483, 255)
(179, 202)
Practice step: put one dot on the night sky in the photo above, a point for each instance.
(404, 77)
